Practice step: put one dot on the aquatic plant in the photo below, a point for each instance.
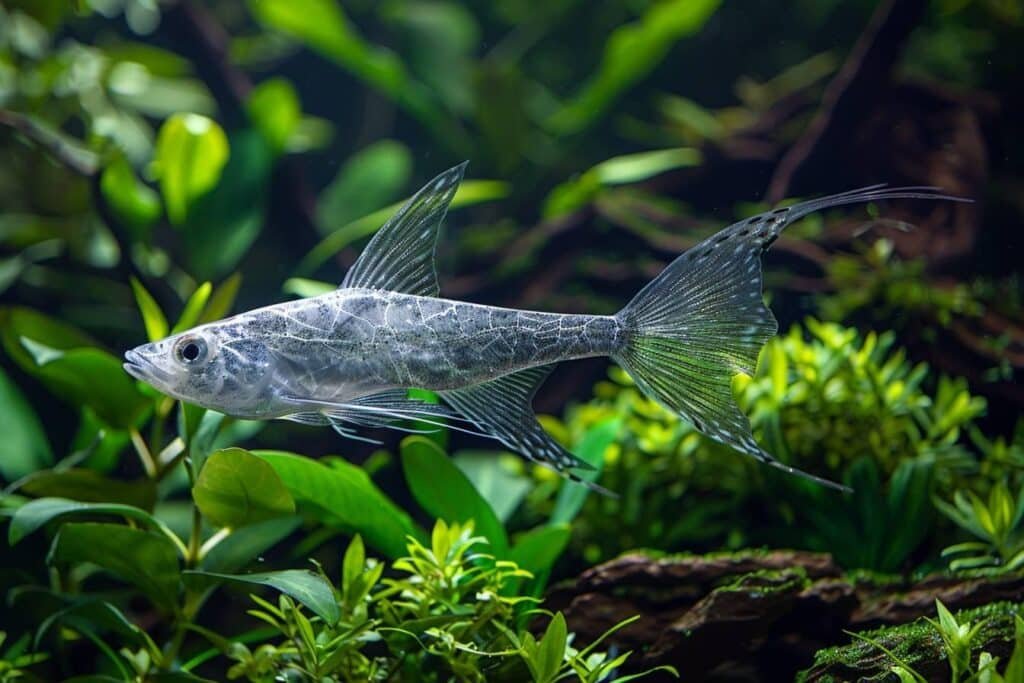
(995, 521)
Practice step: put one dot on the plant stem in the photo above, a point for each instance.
(145, 456)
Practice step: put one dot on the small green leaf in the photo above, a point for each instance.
(235, 488)
(152, 316)
(24, 447)
(551, 649)
(134, 203)
(591, 449)
(144, 559)
(446, 493)
(342, 495)
(274, 109)
(222, 299)
(191, 151)
(193, 308)
(308, 588)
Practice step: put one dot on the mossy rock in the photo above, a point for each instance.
(917, 644)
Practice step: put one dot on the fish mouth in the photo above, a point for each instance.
(141, 368)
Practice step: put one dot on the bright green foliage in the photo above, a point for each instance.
(841, 405)
(445, 615)
(996, 521)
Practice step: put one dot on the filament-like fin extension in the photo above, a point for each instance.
(703, 320)
(503, 409)
(400, 257)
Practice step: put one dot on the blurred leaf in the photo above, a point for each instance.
(305, 288)
(88, 377)
(24, 447)
(591, 449)
(152, 317)
(631, 52)
(632, 168)
(17, 322)
(246, 544)
(193, 308)
(370, 179)
(312, 590)
(190, 154)
(274, 109)
(36, 513)
(89, 486)
(142, 558)
(502, 488)
(235, 488)
(134, 203)
(343, 495)
(222, 299)
(227, 221)
(470, 192)
(446, 493)
(537, 550)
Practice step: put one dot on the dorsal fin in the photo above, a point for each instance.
(400, 257)
(503, 408)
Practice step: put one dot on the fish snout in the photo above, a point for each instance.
(140, 363)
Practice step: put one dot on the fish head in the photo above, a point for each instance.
(212, 366)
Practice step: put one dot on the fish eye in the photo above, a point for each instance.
(191, 350)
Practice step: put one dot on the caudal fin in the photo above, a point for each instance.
(703, 320)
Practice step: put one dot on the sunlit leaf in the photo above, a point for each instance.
(152, 316)
(191, 151)
(235, 488)
(193, 308)
(446, 493)
(36, 513)
(274, 109)
(134, 203)
(308, 588)
(24, 447)
(244, 545)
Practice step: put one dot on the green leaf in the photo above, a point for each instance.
(591, 448)
(308, 588)
(245, 544)
(538, 549)
(630, 53)
(90, 486)
(446, 493)
(222, 299)
(235, 488)
(193, 308)
(191, 151)
(144, 559)
(34, 514)
(24, 447)
(134, 203)
(469, 193)
(306, 288)
(274, 109)
(551, 649)
(152, 317)
(633, 168)
(17, 323)
(370, 179)
(88, 377)
(343, 496)
(502, 488)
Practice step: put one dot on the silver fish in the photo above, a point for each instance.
(347, 358)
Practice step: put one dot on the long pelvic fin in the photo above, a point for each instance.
(703, 320)
(400, 257)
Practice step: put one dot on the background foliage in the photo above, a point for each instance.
(167, 163)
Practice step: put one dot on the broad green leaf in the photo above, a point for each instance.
(246, 544)
(551, 649)
(343, 495)
(274, 109)
(144, 559)
(222, 299)
(446, 493)
(193, 308)
(591, 448)
(235, 488)
(469, 193)
(134, 203)
(370, 179)
(36, 513)
(308, 588)
(152, 317)
(502, 488)
(89, 486)
(18, 322)
(538, 549)
(191, 151)
(630, 53)
(24, 447)
(87, 377)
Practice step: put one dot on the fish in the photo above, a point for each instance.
(348, 358)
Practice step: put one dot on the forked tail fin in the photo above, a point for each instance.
(702, 321)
